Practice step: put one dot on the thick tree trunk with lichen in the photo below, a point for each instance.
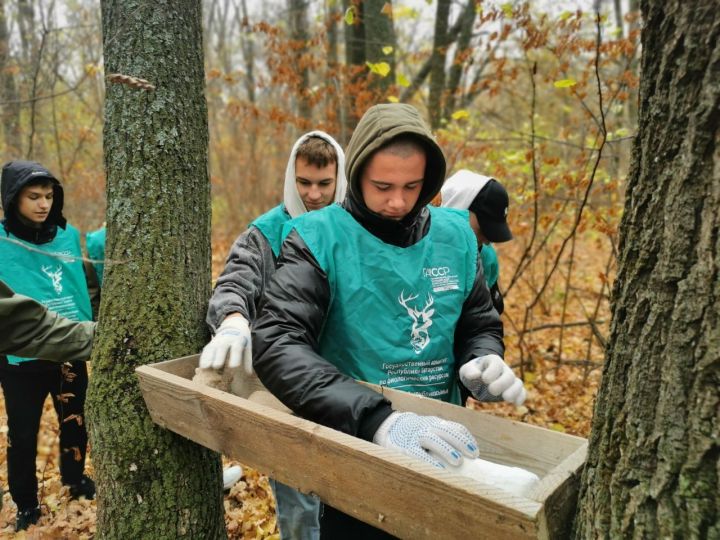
(152, 483)
(654, 456)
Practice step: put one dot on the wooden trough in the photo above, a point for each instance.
(382, 487)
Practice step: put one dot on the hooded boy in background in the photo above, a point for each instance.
(487, 200)
(42, 259)
(387, 290)
(314, 179)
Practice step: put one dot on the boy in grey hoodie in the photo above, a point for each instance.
(314, 179)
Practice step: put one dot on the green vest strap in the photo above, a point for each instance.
(270, 224)
(491, 267)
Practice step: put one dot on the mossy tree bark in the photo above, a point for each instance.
(654, 456)
(152, 483)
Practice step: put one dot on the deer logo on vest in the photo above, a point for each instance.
(422, 320)
(55, 276)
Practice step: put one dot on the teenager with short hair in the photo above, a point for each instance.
(42, 259)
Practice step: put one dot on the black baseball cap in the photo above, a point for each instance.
(491, 208)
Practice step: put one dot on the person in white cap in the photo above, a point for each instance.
(488, 202)
(314, 179)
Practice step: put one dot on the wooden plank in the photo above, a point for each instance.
(397, 493)
(501, 440)
(182, 367)
(558, 491)
(556, 457)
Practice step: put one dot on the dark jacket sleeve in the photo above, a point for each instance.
(479, 330)
(285, 345)
(28, 329)
(240, 287)
(497, 298)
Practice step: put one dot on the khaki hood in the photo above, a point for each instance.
(377, 127)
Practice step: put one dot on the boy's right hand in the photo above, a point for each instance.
(231, 343)
(432, 439)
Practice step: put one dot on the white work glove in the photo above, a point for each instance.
(489, 374)
(515, 480)
(232, 343)
(429, 438)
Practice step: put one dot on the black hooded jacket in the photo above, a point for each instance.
(15, 176)
(286, 335)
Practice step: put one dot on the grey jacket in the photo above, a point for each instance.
(240, 287)
(251, 262)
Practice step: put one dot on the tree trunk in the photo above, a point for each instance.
(333, 100)
(152, 483)
(437, 63)
(379, 34)
(654, 456)
(424, 70)
(300, 37)
(8, 90)
(26, 25)
(463, 52)
(355, 62)
(617, 10)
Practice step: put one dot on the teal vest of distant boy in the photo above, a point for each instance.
(50, 273)
(270, 224)
(491, 267)
(95, 243)
(393, 311)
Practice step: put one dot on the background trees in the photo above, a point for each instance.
(536, 94)
(652, 469)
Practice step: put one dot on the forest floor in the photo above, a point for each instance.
(560, 397)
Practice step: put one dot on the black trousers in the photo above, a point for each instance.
(335, 524)
(25, 389)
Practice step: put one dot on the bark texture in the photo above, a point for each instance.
(653, 464)
(152, 483)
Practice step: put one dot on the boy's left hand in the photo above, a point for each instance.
(489, 373)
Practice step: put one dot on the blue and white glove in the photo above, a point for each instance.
(429, 438)
(489, 374)
(232, 343)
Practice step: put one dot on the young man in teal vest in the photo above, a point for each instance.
(488, 203)
(314, 178)
(28, 328)
(42, 259)
(387, 290)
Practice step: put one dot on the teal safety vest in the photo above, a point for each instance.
(270, 224)
(491, 267)
(393, 310)
(95, 243)
(56, 282)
